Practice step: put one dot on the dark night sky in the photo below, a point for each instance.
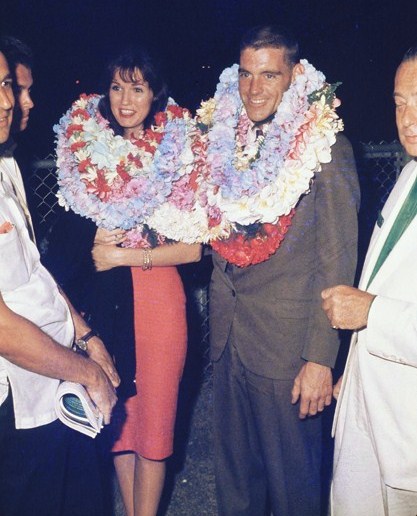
(358, 42)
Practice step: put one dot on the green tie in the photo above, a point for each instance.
(406, 214)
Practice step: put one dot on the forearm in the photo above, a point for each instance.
(24, 344)
(161, 256)
(80, 326)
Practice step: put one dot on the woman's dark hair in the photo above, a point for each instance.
(126, 63)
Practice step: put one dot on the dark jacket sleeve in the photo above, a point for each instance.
(336, 208)
(104, 298)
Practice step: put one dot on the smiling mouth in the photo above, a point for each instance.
(257, 102)
(126, 112)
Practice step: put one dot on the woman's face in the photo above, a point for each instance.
(130, 102)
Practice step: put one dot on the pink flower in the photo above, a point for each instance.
(6, 227)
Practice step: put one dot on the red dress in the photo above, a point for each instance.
(160, 342)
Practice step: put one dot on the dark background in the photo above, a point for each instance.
(358, 42)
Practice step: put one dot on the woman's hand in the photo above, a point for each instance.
(105, 257)
(98, 352)
(106, 237)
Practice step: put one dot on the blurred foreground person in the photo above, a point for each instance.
(37, 328)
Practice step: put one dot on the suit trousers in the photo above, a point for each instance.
(263, 451)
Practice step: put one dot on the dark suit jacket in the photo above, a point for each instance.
(272, 311)
(106, 298)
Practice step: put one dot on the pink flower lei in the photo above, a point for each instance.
(119, 183)
(251, 205)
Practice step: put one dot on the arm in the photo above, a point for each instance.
(108, 256)
(25, 345)
(346, 307)
(336, 204)
(96, 349)
(391, 323)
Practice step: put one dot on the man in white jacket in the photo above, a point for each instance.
(375, 461)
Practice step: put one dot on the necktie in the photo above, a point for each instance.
(406, 214)
(258, 132)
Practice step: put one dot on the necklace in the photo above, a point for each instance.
(251, 198)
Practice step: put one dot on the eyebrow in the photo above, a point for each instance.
(273, 72)
(397, 94)
(130, 82)
(6, 78)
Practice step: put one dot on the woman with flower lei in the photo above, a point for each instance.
(123, 158)
(251, 189)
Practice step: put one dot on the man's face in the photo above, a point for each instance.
(24, 101)
(6, 99)
(405, 97)
(264, 76)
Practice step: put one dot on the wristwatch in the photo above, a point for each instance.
(81, 343)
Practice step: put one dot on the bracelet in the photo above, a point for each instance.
(147, 259)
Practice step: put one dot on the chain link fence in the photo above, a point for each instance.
(379, 165)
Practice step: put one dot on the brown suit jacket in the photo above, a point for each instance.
(271, 312)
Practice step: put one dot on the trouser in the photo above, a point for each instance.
(50, 470)
(358, 488)
(262, 449)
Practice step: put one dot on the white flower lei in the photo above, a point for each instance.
(118, 183)
(298, 141)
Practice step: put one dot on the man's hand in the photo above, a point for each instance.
(98, 353)
(346, 307)
(102, 392)
(313, 387)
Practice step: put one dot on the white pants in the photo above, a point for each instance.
(357, 487)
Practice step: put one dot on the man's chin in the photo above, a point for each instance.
(258, 117)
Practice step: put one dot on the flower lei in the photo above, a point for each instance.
(126, 184)
(251, 196)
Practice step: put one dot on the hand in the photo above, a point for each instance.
(98, 352)
(102, 392)
(105, 256)
(336, 388)
(346, 307)
(106, 237)
(313, 387)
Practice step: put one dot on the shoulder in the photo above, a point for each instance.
(342, 158)
(342, 150)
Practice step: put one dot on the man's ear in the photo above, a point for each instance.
(297, 70)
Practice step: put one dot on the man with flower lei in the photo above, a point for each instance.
(283, 207)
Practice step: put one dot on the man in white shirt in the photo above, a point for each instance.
(37, 329)
(375, 462)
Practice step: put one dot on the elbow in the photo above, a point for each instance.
(196, 253)
(193, 253)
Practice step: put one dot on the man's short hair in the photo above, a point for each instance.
(272, 36)
(410, 55)
(16, 52)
